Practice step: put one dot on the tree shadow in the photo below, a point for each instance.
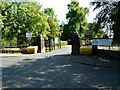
(57, 72)
(96, 61)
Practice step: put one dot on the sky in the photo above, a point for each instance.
(60, 8)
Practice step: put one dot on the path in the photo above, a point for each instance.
(54, 70)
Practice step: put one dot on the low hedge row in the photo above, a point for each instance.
(13, 50)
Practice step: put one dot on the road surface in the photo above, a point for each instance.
(54, 70)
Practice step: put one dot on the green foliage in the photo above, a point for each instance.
(53, 23)
(36, 20)
(97, 33)
(25, 17)
(109, 17)
(115, 16)
(77, 21)
(17, 18)
(1, 18)
(8, 42)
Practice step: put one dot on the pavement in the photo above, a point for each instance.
(58, 69)
(95, 61)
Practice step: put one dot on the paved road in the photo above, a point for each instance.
(54, 70)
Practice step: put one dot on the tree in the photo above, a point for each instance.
(36, 20)
(97, 33)
(77, 21)
(53, 23)
(1, 23)
(54, 26)
(108, 17)
(115, 16)
(20, 18)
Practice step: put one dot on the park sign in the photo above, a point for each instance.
(101, 42)
(56, 40)
(29, 35)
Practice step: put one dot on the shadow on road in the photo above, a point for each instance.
(57, 72)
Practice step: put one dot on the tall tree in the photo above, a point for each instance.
(77, 21)
(53, 23)
(20, 18)
(108, 17)
(1, 23)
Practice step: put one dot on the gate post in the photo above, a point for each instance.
(94, 49)
(75, 44)
(50, 44)
(40, 43)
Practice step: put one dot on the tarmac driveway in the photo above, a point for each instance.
(54, 70)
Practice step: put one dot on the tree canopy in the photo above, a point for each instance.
(76, 19)
(97, 32)
(108, 17)
(19, 18)
(53, 23)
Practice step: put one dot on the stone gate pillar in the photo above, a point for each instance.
(75, 44)
(40, 42)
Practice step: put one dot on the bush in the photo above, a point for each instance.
(8, 42)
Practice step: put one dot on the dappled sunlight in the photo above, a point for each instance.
(47, 86)
(99, 86)
(96, 68)
(57, 54)
(77, 78)
(63, 66)
(32, 71)
(104, 60)
(37, 79)
(57, 72)
(51, 70)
